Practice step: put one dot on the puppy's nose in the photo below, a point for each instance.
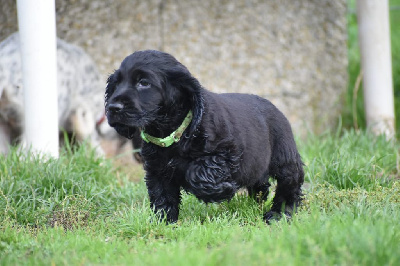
(115, 107)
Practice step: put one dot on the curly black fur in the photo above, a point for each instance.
(233, 141)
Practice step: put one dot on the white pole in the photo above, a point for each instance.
(374, 37)
(37, 29)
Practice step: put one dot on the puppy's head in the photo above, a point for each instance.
(147, 85)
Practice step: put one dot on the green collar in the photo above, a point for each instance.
(171, 139)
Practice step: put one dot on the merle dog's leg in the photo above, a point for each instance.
(209, 179)
(5, 138)
(290, 177)
(164, 197)
(259, 191)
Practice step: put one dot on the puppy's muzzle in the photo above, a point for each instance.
(115, 113)
(115, 107)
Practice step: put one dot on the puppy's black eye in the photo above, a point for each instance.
(143, 84)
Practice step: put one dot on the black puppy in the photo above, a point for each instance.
(206, 143)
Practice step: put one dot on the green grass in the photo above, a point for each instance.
(80, 210)
(355, 69)
(350, 160)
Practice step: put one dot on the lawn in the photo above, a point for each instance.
(81, 210)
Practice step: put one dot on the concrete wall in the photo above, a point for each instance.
(293, 52)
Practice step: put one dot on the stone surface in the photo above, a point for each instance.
(292, 52)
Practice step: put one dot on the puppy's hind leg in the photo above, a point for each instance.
(260, 191)
(288, 195)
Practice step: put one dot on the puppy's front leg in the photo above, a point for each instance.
(164, 197)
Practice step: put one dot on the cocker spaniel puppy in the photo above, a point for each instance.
(208, 144)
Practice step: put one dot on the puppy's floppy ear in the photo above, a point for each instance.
(111, 83)
(193, 89)
(172, 92)
(182, 80)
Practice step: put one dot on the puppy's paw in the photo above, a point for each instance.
(157, 219)
(276, 216)
(168, 216)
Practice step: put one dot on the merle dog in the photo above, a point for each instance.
(205, 143)
(80, 101)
